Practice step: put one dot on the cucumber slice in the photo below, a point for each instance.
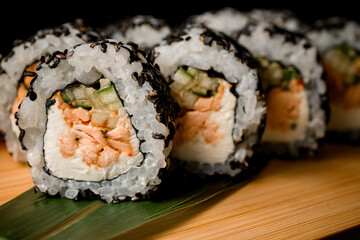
(185, 72)
(176, 87)
(263, 62)
(208, 83)
(87, 97)
(188, 100)
(183, 77)
(108, 96)
(200, 91)
(84, 103)
(192, 71)
(94, 98)
(290, 74)
(104, 83)
(76, 96)
(349, 52)
(79, 92)
(67, 96)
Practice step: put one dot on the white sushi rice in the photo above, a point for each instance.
(303, 56)
(280, 17)
(227, 20)
(144, 30)
(230, 20)
(23, 55)
(191, 51)
(87, 64)
(324, 37)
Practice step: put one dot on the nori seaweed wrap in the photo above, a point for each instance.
(218, 100)
(17, 68)
(97, 123)
(295, 90)
(338, 42)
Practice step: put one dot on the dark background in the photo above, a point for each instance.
(21, 20)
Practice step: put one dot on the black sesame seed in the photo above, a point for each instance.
(21, 137)
(307, 45)
(60, 56)
(141, 79)
(50, 102)
(134, 75)
(54, 63)
(38, 67)
(103, 46)
(117, 48)
(158, 136)
(29, 74)
(69, 54)
(32, 95)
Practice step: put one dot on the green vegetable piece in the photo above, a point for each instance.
(347, 51)
(65, 96)
(108, 96)
(106, 89)
(84, 103)
(203, 92)
(183, 71)
(262, 62)
(289, 74)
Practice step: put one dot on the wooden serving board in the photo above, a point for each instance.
(303, 199)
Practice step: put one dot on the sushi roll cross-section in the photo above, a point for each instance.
(342, 67)
(220, 109)
(295, 90)
(338, 41)
(97, 122)
(19, 67)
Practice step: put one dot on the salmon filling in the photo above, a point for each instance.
(287, 107)
(342, 67)
(91, 143)
(205, 120)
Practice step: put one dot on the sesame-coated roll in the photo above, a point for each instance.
(338, 42)
(226, 20)
(295, 90)
(144, 30)
(219, 104)
(17, 73)
(98, 121)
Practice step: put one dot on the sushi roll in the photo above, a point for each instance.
(227, 20)
(295, 91)
(218, 101)
(97, 123)
(143, 30)
(16, 73)
(338, 41)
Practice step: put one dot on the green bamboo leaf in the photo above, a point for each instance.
(35, 216)
(129, 215)
(30, 215)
